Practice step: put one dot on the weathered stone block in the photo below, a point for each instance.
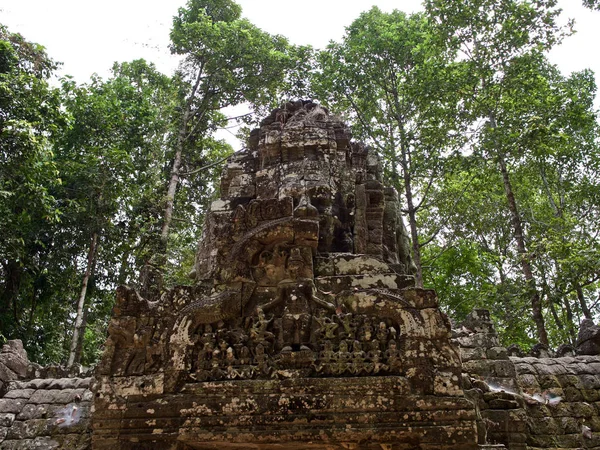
(10, 405)
(6, 419)
(528, 382)
(570, 425)
(582, 409)
(523, 367)
(572, 394)
(6, 374)
(469, 354)
(590, 395)
(497, 353)
(40, 443)
(548, 426)
(500, 369)
(554, 369)
(61, 396)
(479, 340)
(501, 403)
(19, 393)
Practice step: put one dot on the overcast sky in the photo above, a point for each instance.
(88, 36)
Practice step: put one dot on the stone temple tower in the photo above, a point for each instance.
(303, 328)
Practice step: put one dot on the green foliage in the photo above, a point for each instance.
(550, 133)
(400, 88)
(230, 59)
(29, 117)
(592, 4)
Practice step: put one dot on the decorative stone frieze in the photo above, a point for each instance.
(303, 327)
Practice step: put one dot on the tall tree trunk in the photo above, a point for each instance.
(570, 323)
(193, 116)
(79, 328)
(557, 320)
(582, 303)
(536, 303)
(412, 218)
(188, 116)
(8, 299)
(171, 191)
(558, 212)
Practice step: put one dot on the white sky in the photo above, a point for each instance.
(88, 36)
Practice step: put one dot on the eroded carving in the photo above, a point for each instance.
(303, 272)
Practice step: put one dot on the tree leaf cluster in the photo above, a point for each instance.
(494, 151)
(493, 148)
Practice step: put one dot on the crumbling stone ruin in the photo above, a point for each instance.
(304, 330)
(530, 402)
(303, 327)
(42, 407)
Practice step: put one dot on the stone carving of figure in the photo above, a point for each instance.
(382, 333)
(208, 336)
(204, 356)
(297, 297)
(223, 351)
(259, 331)
(375, 357)
(297, 266)
(327, 354)
(393, 334)
(326, 359)
(327, 225)
(262, 360)
(349, 324)
(230, 357)
(239, 219)
(393, 357)
(296, 316)
(327, 326)
(231, 361)
(215, 372)
(342, 359)
(347, 244)
(358, 358)
(245, 356)
(305, 209)
(271, 265)
(366, 332)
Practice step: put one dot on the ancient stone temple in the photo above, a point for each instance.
(303, 329)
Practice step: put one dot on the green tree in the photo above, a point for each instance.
(112, 156)
(400, 87)
(29, 117)
(553, 169)
(226, 61)
(502, 43)
(561, 141)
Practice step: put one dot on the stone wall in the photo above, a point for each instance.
(562, 400)
(46, 414)
(42, 408)
(303, 328)
(533, 402)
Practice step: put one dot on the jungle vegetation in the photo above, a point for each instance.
(495, 152)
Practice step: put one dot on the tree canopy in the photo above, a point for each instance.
(493, 149)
